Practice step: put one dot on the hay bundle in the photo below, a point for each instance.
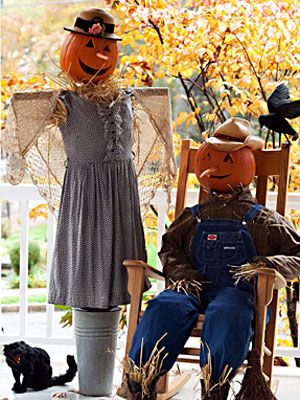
(146, 375)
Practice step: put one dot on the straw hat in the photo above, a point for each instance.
(234, 134)
(95, 22)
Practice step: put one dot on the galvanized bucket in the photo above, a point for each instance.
(96, 341)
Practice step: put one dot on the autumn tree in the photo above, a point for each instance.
(227, 55)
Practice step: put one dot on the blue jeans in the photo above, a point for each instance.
(227, 328)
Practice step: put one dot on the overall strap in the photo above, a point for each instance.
(195, 210)
(252, 212)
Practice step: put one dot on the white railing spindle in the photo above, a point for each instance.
(23, 267)
(162, 210)
(51, 227)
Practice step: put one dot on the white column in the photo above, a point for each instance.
(23, 267)
(162, 212)
(51, 228)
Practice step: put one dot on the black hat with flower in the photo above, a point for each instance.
(95, 22)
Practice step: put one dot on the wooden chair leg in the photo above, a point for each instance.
(264, 296)
(162, 384)
(136, 279)
(271, 338)
(260, 315)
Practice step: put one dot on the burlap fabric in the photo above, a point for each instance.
(36, 146)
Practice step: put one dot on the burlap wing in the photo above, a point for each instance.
(153, 148)
(35, 147)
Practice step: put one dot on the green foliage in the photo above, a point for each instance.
(37, 234)
(5, 227)
(34, 256)
(66, 319)
(37, 272)
(152, 254)
(37, 278)
(31, 299)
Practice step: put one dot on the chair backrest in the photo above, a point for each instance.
(271, 162)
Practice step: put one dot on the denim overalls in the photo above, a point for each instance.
(218, 246)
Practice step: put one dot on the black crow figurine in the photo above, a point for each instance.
(281, 107)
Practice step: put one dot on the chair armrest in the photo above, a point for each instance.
(268, 279)
(149, 271)
(137, 272)
(267, 284)
(279, 282)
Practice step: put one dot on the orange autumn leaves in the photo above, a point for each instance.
(233, 53)
(15, 83)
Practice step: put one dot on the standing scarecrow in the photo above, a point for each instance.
(198, 254)
(97, 138)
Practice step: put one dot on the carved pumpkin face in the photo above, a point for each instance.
(85, 57)
(222, 171)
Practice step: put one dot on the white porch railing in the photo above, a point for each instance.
(25, 193)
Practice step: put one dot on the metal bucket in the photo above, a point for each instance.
(96, 342)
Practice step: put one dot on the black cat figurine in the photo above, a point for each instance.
(34, 364)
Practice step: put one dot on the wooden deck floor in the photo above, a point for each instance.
(289, 381)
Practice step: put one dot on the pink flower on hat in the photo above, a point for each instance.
(95, 29)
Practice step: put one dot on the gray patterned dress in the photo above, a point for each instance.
(99, 223)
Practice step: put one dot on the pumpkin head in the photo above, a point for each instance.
(222, 171)
(87, 58)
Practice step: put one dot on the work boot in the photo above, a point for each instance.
(135, 390)
(219, 392)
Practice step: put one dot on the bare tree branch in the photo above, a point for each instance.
(252, 67)
(192, 105)
(227, 88)
(156, 28)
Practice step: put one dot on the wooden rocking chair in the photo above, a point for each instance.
(268, 163)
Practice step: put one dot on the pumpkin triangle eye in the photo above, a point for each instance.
(89, 43)
(228, 158)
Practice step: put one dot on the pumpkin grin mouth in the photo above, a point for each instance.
(220, 176)
(92, 71)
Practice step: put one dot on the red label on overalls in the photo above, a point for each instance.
(212, 236)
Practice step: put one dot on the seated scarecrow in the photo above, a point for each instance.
(199, 254)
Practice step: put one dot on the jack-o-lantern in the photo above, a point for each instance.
(222, 171)
(90, 52)
(85, 58)
(226, 159)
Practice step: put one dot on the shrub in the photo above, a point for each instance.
(5, 228)
(34, 280)
(34, 256)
